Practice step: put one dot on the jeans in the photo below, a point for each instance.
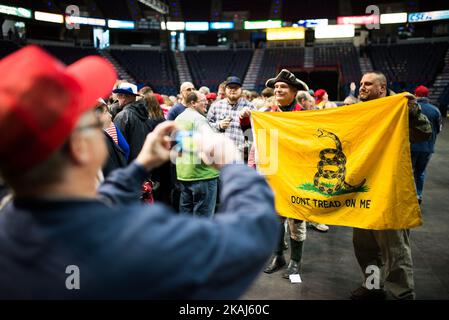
(198, 197)
(419, 163)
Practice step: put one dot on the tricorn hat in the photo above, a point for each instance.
(289, 78)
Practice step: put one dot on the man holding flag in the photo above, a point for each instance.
(388, 248)
(351, 166)
(286, 86)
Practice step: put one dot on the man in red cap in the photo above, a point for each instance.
(422, 151)
(62, 238)
(321, 97)
(211, 97)
(322, 100)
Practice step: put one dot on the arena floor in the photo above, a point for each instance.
(330, 270)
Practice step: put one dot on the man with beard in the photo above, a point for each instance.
(230, 114)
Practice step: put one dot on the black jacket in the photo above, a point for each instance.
(133, 122)
(116, 158)
(115, 109)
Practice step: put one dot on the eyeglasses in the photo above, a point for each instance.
(96, 125)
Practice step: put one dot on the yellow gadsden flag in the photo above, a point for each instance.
(346, 166)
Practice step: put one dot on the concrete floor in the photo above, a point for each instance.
(330, 270)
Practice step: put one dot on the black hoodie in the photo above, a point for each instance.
(133, 122)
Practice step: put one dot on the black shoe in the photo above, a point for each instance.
(362, 293)
(293, 268)
(276, 263)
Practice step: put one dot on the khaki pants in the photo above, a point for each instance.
(297, 229)
(390, 251)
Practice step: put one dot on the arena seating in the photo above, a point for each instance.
(277, 58)
(344, 56)
(408, 65)
(153, 67)
(210, 68)
(69, 55)
(405, 65)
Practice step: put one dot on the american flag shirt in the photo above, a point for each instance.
(220, 110)
(112, 132)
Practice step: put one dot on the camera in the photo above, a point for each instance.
(183, 141)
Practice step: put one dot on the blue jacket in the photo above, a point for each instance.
(434, 116)
(175, 111)
(123, 249)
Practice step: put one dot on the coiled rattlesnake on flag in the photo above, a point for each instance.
(339, 160)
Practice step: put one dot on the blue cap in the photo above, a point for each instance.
(233, 80)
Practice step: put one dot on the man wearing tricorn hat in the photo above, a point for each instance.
(286, 86)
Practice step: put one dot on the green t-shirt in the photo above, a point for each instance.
(189, 166)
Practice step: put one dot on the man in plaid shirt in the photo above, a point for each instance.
(229, 115)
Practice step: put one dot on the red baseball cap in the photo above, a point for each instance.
(421, 91)
(159, 98)
(41, 101)
(211, 96)
(319, 94)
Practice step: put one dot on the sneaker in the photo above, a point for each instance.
(320, 227)
(362, 293)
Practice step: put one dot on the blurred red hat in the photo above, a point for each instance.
(319, 94)
(421, 91)
(41, 101)
(159, 98)
(211, 96)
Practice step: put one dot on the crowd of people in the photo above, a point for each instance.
(92, 160)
